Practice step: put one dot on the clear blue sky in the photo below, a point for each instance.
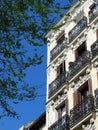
(29, 111)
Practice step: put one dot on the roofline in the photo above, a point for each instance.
(71, 8)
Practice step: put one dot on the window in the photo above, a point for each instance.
(82, 92)
(61, 68)
(63, 109)
(60, 38)
(92, 6)
(81, 49)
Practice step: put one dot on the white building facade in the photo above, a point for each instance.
(72, 70)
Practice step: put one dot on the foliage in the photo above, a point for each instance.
(22, 22)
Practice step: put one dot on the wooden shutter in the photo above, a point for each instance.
(63, 66)
(66, 105)
(58, 70)
(89, 87)
(79, 97)
(75, 98)
(76, 54)
(97, 34)
(60, 36)
(59, 113)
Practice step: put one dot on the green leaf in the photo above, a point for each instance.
(71, 1)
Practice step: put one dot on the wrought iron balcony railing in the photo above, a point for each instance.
(62, 124)
(58, 49)
(96, 98)
(79, 64)
(57, 83)
(94, 49)
(81, 25)
(82, 110)
(93, 13)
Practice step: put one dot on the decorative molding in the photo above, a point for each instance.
(50, 104)
(80, 9)
(72, 84)
(59, 61)
(78, 42)
(95, 64)
(90, 126)
(60, 98)
(93, 26)
(97, 113)
(81, 80)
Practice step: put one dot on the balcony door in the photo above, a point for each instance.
(61, 68)
(63, 109)
(82, 92)
(81, 100)
(81, 49)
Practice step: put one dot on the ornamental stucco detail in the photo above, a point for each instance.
(78, 43)
(90, 126)
(60, 98)
(81, 80)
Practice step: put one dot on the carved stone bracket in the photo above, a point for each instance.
(90, 126)
(95, 64)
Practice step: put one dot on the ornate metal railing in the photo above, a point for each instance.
(81, 25)
(82, 110)
(62, 124)
(57, 83)
(93, 13)
(94, 49)
(79, 64)
(96, 98)
(58, 49)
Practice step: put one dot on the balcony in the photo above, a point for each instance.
(79, 64)
(96, 98)
(82, 110)
(81, 25)
(61, 124)
(57, 83)
(58, 49)
(94, 49)
(93, 13)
